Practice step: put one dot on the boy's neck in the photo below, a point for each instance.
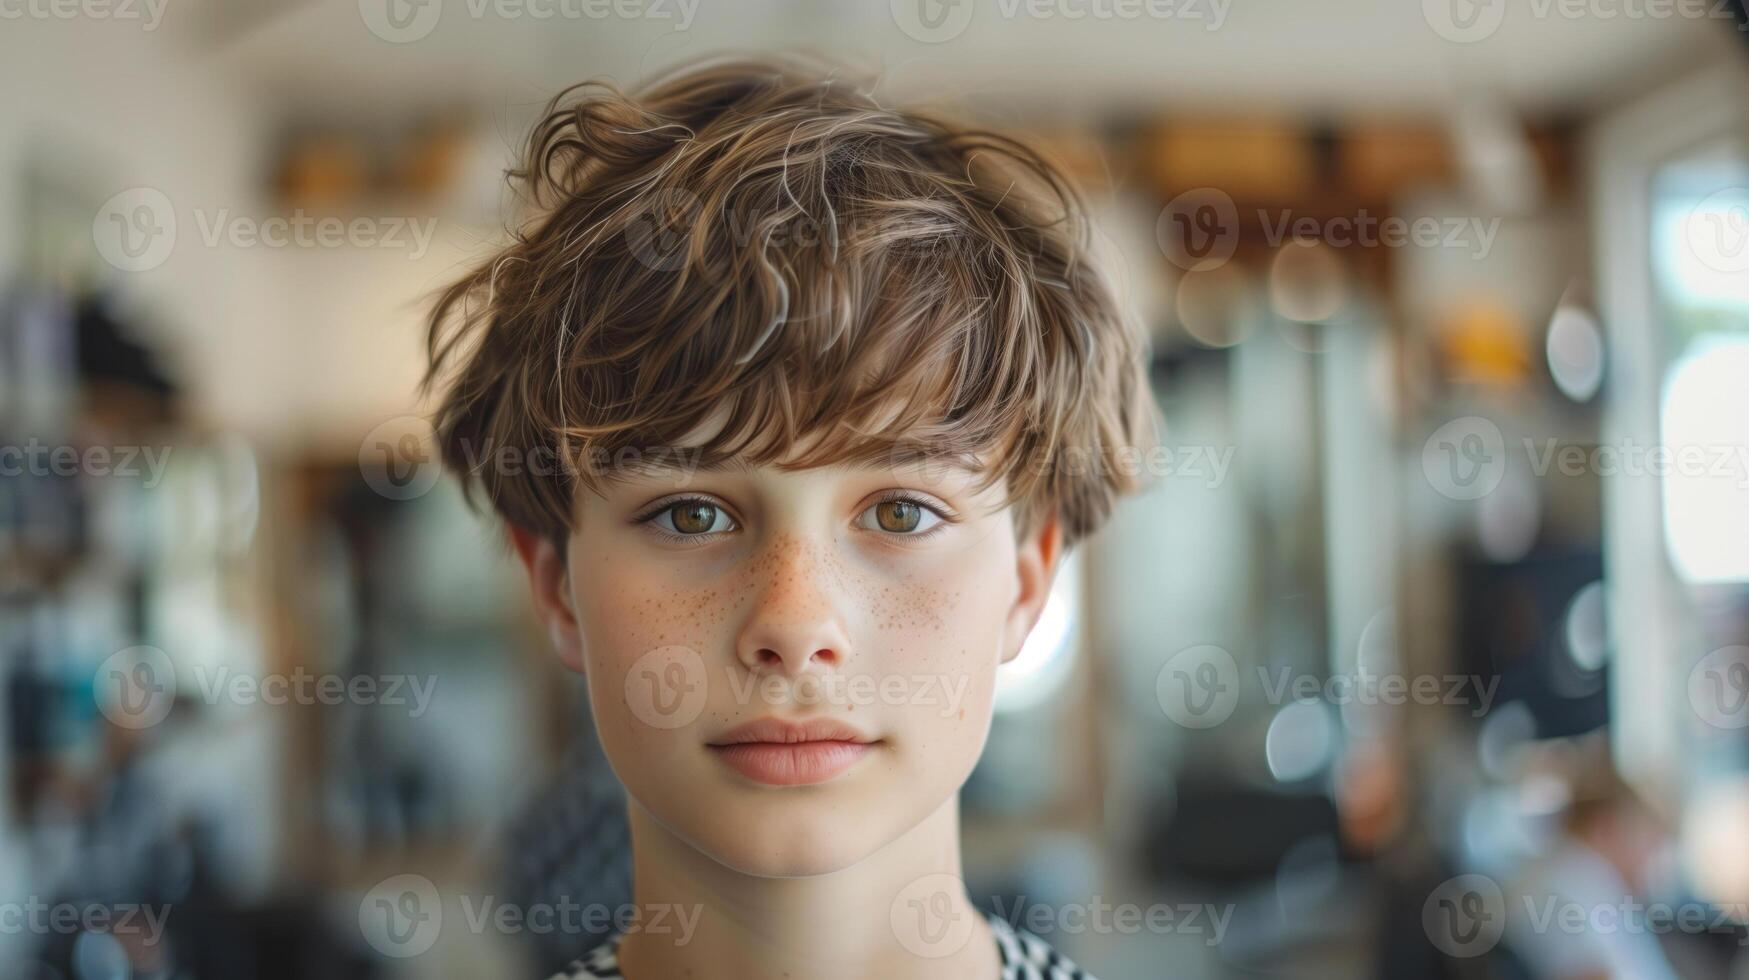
(838, 925)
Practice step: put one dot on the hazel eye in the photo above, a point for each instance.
(693, 517)
(901, 516)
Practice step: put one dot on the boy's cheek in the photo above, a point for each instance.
(625, 616)
(952, 619)
(946, 657)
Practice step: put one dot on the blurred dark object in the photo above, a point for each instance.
(573, 845)
(1221, 834)
(1533, 624)
(1404, 951)
(108, 354)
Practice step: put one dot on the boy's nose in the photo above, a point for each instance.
(794, 625)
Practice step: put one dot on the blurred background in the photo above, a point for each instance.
(1426, 655)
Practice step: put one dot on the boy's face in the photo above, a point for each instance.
(859, 613)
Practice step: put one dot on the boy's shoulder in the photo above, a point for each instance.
(1024, 957)
(602, 961)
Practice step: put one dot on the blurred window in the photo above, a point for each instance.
(1700, 264)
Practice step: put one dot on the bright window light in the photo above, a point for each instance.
(1706, 481)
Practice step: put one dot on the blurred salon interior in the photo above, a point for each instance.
(1426, 655)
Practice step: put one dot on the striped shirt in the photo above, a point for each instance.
(1024, 957)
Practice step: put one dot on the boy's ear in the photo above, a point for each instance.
(550, 586)
(1036, 565)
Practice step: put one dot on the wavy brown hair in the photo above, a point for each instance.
(762, 243)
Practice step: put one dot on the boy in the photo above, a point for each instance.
(830, 389)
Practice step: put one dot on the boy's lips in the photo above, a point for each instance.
(784, 753)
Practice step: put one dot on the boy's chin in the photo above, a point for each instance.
(791, 862)
(789, 838)
(795, 847)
